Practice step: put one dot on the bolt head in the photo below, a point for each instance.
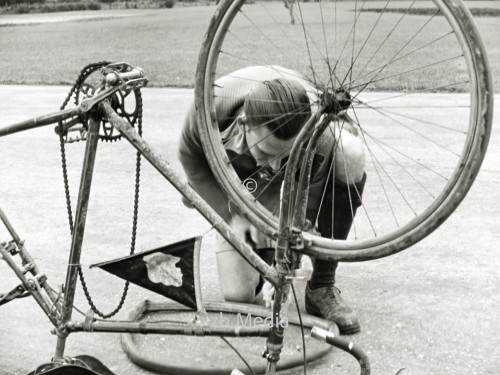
(111, 79)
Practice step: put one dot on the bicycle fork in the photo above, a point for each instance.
(290, 241)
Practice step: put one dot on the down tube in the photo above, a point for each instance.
(208, 213)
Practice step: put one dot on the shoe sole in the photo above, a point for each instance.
(342, 330)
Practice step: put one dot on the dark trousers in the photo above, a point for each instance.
(345, 202)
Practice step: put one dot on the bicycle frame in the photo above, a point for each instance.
(289, 244)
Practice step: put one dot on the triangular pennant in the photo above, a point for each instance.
(167, 270)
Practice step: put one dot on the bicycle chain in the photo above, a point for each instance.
(84, 73)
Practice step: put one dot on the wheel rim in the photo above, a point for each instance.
(425, 193)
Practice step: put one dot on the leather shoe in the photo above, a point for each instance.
(327, 303)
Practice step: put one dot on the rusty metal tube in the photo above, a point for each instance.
(78, 230)
(291, 170)
(37, 122)
(203, 208)
(302, 195)
(186, 329)
(26, 258)
(29, 285)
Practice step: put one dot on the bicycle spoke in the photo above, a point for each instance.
(349, 182)
(263, 167)
(415, 132)
(246, 149)
(351, 31)
(429, 89)
(283, 167)
(331, 171)
(306, 39)
(325, 40)
(383, 109)
(400, 165)
(394, 59)
(416, 162)
(397, 68)
(387, 37)
(323, 57)
(349, 72)
(366, 84)
(382, 185)
(364, 44)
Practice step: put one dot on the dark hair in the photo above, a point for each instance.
(280, 104)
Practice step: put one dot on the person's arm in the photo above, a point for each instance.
(197, 169)
(230, 91)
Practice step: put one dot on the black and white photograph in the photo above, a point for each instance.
(230, 187)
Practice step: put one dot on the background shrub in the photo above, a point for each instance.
(167, 3)
(94, 6)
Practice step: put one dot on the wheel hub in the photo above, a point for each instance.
(336, 101)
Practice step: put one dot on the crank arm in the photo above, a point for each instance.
(118, 76)
(87, 104)
(121, 84)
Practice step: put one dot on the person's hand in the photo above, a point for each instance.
(257, 237)
(242, 227)
(268, 294)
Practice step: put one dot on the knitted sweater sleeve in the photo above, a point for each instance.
(197, 168)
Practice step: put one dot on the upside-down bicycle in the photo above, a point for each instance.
(396, 81)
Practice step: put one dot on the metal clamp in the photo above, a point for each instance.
(89, 319)
(293, 236)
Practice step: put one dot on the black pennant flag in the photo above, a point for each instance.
(167, 270)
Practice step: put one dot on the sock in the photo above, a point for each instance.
(323, 274)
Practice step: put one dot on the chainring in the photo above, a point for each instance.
(126, 103)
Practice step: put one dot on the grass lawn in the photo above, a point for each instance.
(165, 42)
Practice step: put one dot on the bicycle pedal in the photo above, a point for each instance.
(17, 292)
(82, 136)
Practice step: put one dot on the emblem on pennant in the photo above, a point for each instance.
(162, 269)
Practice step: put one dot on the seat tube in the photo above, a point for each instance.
(78, 231)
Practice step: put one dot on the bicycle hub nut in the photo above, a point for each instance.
(112, 79)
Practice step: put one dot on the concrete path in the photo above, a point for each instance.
(433, 309)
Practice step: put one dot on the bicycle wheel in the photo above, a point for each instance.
(421, 103)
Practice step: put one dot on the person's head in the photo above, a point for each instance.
(275, 112)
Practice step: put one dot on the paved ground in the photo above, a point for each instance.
(433, 309)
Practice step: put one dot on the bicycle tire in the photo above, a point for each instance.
(167, 365)
(213, 63)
